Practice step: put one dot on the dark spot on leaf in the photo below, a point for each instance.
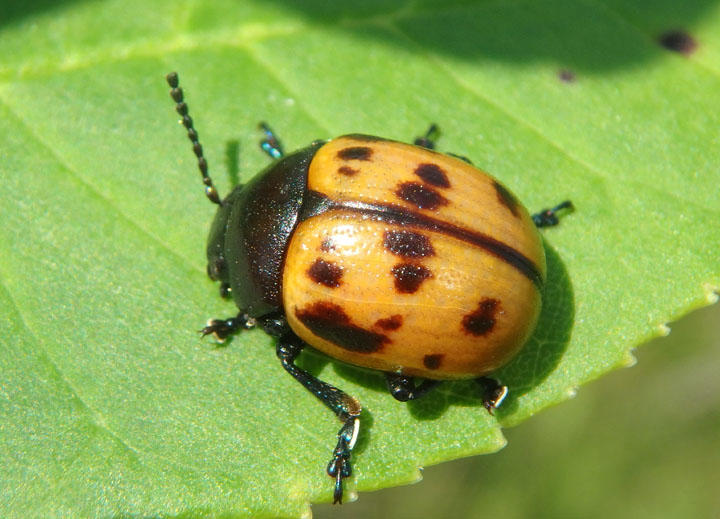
(566, 76)
(409, 277)
(330, 322)
(408, 244)
(482, 320)
(355, 153)
(391, 323)
(433, 361)
(678, 41)
(433, 174)
(421, 196)
(348, 171)
(325, 273)
(506, 198)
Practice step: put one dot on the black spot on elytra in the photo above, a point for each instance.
(390, 323)
(402, 217)
(566, 76)
(678, 41)
(325, 273)
(421, 196)
(482, 320)
(348, 171)
(433, 361)
(409, 277)
(355, 153)
(330, 322)
(506, 198)
(408, 244)
(433, 174)
(327, 245)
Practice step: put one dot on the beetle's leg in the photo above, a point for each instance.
(548, 217)
(270, 144)
(403, 388)
(464, 159)
(223, 328)
(428, 140)
(493, 393)
(345, 407)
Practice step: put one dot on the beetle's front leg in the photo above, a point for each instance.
(345, 407)
(271, 144)
(223, 328)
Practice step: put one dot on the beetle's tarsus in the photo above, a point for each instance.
(223, 328)
(548, 217)
(270, 144)
(403, 388)
(339, 467)
(493, 393)
(428, 140)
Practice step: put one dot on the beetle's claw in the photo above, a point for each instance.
(493, 394)
(339, 468)
(223, 328)
(220, 329)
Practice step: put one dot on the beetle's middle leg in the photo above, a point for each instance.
(403, 388)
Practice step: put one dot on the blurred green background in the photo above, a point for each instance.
(640, 442)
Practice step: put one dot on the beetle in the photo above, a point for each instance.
(380, 254)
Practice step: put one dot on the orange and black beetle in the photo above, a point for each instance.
(381, 254)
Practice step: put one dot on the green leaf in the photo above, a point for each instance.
(110, 405)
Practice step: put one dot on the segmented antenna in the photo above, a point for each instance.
(181, 108)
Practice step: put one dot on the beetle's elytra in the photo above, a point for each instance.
(381, 254)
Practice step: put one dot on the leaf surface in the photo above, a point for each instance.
(110, 404)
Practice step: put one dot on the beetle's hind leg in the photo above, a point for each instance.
(345, 407)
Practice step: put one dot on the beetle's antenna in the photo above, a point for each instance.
(180, 107)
